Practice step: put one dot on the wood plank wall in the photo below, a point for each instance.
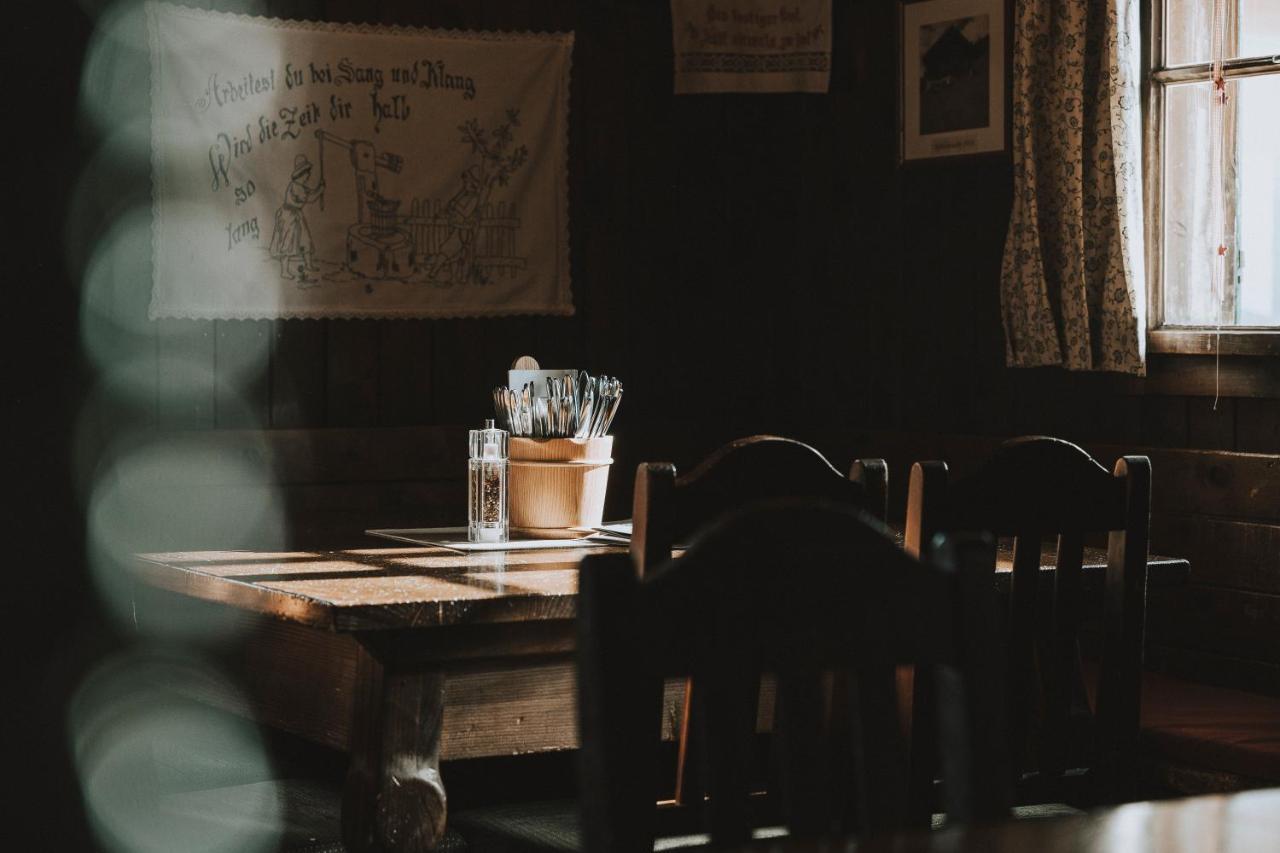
(745, 264)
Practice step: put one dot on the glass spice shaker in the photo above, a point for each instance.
(487, 484)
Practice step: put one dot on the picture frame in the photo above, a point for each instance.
(954, 91)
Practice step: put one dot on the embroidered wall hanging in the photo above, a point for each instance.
(751, 45)
(307, 169)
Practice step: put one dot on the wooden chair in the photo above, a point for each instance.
(797, 588)
(1034, 488)
(667, 507)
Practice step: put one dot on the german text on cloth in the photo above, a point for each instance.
(751, 45)
(329, 170)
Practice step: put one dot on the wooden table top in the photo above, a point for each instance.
(1238, 823)
(378, 588)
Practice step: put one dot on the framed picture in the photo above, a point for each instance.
(953, 78)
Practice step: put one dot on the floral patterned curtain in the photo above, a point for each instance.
(1072, 281)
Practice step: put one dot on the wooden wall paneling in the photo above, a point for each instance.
(802, 156)
(1103, 408)
(185, 373)
(298, 10)
(992, 404)
(1164, 422)
(1257, 425)
(458, 379)
(348, 11)
(242, 361)
(335, 515)
(870, 208)
(298, 366)
(917, 320)
(757, 281)
(646, 281)
(1236, 554)
(404, 372)
(945, 266)
(351, 373)
(1214, 619)
(1209, 427)
(598, 151)
(700, 232)
(1210, 668)
(1239, 486)
(1129, 428)
(979, 197)
(333, 484)
(1203, 375)
(288, 456)
(1047, 403)
(806, 323)
(963, 264)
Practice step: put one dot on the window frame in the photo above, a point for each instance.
(1174, 339)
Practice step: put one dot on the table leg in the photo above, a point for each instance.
(394, 800)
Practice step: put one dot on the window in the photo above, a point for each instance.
(1184, 245)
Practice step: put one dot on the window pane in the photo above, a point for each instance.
(1189, 247)
(1188, 25)
(1186, 31)
(1188, 255)
(1259, 27)
(1258, 218)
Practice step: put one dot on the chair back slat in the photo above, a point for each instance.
(880, 756)
(804, 768)
(690, 788)
(796, 588)
(1125, 605)
(1060, 660)
(1022, 633)
(926, 489)
(730, 686)
(1033, 489)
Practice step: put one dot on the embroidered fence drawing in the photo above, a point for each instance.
(494, 253)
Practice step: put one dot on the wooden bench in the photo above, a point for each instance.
(1202, 738)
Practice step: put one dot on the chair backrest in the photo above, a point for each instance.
(667, 507)
(802, 589)
(1035, 488)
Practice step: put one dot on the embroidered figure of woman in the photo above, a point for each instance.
(291, 240)
(457, 252)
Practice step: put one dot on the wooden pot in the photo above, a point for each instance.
(558, 484)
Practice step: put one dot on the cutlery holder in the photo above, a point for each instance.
(558, 484)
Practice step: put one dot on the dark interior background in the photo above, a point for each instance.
(742, 263)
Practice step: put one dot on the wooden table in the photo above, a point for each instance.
(406, 656)
(1238, 823)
